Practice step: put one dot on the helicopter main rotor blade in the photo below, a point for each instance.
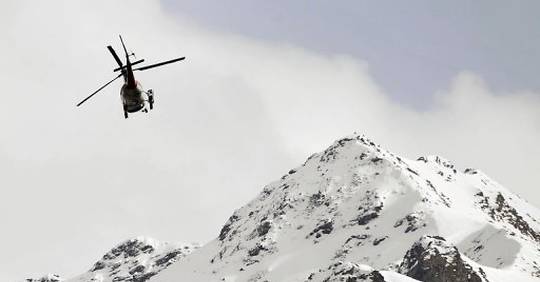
(115, 56)
(159, 64)
(101, 88)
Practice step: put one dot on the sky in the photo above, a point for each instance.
(265, 85)
(495, 39)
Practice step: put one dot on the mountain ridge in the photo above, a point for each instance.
(133, 260)
(357, 202)
(358, 212)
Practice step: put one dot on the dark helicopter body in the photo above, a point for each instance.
(132, 93)
(134, 97)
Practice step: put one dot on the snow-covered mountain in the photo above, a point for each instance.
(46, 278)
(135, 260)
(355, 212)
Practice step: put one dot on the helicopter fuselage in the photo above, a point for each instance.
(133, 98)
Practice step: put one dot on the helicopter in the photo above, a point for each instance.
(134, 97)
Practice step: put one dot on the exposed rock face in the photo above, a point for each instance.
(346, 271)
(432, 259)
(135, 260)
(47, 278)
(356, 208)
(499, 209)
(355, 212)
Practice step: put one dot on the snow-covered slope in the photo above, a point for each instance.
(357, 212)
(134, 260)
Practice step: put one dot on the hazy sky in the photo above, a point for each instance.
(412, 47)
(260, 91)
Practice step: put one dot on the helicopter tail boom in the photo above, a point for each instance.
(124, 46)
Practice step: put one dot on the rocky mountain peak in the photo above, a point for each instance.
(346, 271)
(129, 249)
(357, 206)
(135, 260)
(355, 212)
(46, 278)
(432, 258)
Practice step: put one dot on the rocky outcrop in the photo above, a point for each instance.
(349, 214)
(432, 259)
(135, 260)
(499, 209)
(346, 271)
(47, 278)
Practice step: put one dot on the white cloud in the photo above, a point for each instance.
(233, 117)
